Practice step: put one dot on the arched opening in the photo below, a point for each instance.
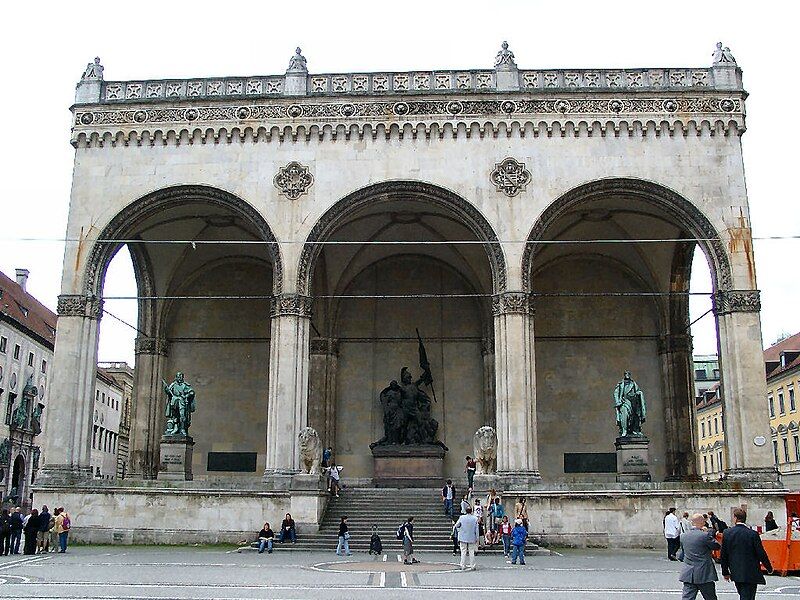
(606, 307)
(18, 483)
(371, 296)
(205, 265)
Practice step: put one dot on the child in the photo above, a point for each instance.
(519, 536)
(375, 544)
(505, 532)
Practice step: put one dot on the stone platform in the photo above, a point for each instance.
(408, 466)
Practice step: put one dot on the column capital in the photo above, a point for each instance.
(322, 345)
(148, 345)
(75, 305)
(291, 304)
(731, 301)
(507, 303)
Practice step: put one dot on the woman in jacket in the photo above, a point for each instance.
(344, 539)
(288, 530)
(5, 533)
(31, 530)
(266, 537)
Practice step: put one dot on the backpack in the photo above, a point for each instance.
(721, 525)
(401, 531)
(65, 524)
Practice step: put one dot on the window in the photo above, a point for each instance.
(3, 344)
(786, 449)
(716, 425)
(700, 374)
(771, 407)
(775, 450)
(705, 464)
(16, 351)
(702, 429)
(94, 438)
(719, 459)
(781, 403)
(97, 395)
(796, 448)
(716, 373)
(10, 407)
(103, 397)
(30, 359)
(792, 406)
(44, 366)
(712, 462)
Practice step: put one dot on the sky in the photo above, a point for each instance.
(45, 47)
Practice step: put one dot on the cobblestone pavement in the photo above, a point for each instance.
(112, 573)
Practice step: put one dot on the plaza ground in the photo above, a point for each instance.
(111, 573)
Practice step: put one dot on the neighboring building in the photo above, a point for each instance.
(108, 405)
(706, 373)
(710, 434)
(123, 375)
(782, 363)
(27, 336)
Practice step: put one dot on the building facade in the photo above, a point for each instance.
(290, 233)
(710, 434)
(782, 364)
(122, 374)
(706, 373)
(27, 335)
(108, 407)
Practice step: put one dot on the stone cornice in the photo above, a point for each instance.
(146, 345)
(291, 304)
(74, 305)
(569, 113)
(731, 301)
(512, 303)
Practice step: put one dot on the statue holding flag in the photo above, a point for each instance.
(407, 407)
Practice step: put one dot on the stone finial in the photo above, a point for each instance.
(94, 70)
(505, 58)
(297, 64)
(723, 56)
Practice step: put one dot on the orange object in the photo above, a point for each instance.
(784, 554)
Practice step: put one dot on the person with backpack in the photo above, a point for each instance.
(406, 533)
(717, 524)
(63, 525)
(5, 533)
(344, 538)
(16, 529)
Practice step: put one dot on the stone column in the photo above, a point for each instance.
(67, 446)
(675, 352)
(323, 362)
(147, 407)
(747, 432)
(487, 351)
(287, 409)
(515, 390)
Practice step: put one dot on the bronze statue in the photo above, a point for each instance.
(630, 407)
(180, 406)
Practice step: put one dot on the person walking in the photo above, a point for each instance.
(519, 535)
(467, 526)
(505, 533)
(53, 541)
(266, 538)
(741, 557)
(288, 529)
(672, 531)
(43, 535)
(454, 537)
(63, 525)
(327, 454)
(31, 529)
(464, 505)
(470, 468)
(344, 539)
(769, 522)
(333, 480)
(408, 542)
(5, 532)
(698, 573)
(16, 529)
(685, 525)
(448, 497)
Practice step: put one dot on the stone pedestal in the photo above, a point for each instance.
(633, 463)
(408, 466)
(176, 458)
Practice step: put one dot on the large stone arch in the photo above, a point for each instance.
(679, 208)
(107, 245)
(390, 190)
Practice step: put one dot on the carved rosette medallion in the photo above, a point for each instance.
(146, 345)
(324, 346)
(510, 177)
(74, 305)
(732, 301)
(293, 180)
(511, 303)
(291, 304)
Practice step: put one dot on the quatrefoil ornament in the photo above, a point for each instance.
(293, 180)
(510, 177)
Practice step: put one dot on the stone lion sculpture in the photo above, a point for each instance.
(484, 443)
(310, 450)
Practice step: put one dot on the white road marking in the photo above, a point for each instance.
(403, 582)
(22, 561)
(399, 558)
(383, 580)
(385, 557)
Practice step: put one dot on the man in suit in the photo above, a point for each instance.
(742, 555)
(698, 573)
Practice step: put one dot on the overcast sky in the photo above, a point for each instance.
(45, 47)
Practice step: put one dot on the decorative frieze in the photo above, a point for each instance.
(510, 177)
(512, 303)
(324, 346)
(74, 305)
(291, 304)
(148, 345)
(293, 180)
(730, 301)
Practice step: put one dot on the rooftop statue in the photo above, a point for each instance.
(630, 407)
(180, 406)
(505, 58)
(298, 62)
(723, 56)
(94, 70)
